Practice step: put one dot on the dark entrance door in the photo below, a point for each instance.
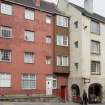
(63, 93)
(75, 93)
(95, 93)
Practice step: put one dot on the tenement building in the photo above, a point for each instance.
(34, 49)
(87, 51)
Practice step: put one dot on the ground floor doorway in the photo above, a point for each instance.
(49, 86)
(63, 93)
(75, 93)
(95, 93)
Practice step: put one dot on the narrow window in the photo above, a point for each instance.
(76, 24)
(48, 40)
(76, 44)
(48, 60)
(54, 82)
(62, 61)
(48, 19)
(76, 66)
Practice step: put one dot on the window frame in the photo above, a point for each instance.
(28, 61)
(47, 60)
(7, 28)
(60, 40)
(9, 80)
(29, 17)
(6, 13)
(76, 66)
(25, 35)
(2, 51)
(60, 61)
(28, 80)
(60, 21)
(55, 79)
(47, 38)
(98, 27)
(99, 46)
(97, 72)
(49, 17)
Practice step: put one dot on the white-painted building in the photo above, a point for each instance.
(87, 50)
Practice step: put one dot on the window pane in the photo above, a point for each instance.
(5, 55)
(95, 47)
(54, 83)
(48, 60)
(29, 14)
(48, 39)
(62, 21)
(29, 57)
(65, 21)
(29, 36)
(59, 40)
(62, 40)
(62, 61)
(59, 21)
(65, 40)
(95, 67)
(95, 27)
(65, 61)
(48, 19)
(28, 81)
(6, 32)
(59, 60)
(6, 9)
(5, 80)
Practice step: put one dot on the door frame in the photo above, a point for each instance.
(65, 94)
(49, 78)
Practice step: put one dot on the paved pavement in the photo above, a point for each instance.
(37, 103)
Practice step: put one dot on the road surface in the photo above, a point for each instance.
(37, 103)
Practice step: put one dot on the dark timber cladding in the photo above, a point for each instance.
(61, 50)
